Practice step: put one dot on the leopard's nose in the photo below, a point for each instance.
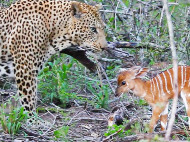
(117, 95)
(105, 44)
(104, 48)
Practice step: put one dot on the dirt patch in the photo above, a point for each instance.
(89, 124)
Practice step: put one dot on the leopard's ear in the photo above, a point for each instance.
(98, 6)
(76, 9)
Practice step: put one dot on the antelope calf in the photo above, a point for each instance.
(156, 91)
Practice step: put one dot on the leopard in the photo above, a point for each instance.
(31, 31)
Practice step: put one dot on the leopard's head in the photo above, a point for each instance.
(87, 27)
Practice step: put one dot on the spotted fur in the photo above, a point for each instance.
(33, 30)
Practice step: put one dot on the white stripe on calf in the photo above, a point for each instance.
(166, 83)
(158, 87)
(151, 89)
(182, 77)
(185, 75)
(161, 85)
(143, 95)
(153, 84)
(170, 78)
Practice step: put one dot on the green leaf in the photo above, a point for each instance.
(62, 132)
(127, 3)
(111, 19)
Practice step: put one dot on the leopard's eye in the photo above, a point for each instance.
(123, 82)
(93, 29)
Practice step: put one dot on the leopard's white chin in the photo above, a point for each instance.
(121, 95)
(93, 54)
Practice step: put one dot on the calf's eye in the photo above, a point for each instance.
(123, 82)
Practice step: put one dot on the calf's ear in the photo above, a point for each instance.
(141, 73)
(121, 70)
(135, 69)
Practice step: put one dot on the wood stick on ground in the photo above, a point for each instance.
(30, 133)
(110, 136)
(127, 127)
(151, 135)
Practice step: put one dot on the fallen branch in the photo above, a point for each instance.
(142, 136)
(89, 119)
(112, 49)
(30, 133)
(127, 127)
(110, 136)
(152, 135)
(136, 45)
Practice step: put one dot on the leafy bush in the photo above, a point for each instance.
(101, 94)
(54, 83)
(61, 134)
(12, 122)
(60, 78)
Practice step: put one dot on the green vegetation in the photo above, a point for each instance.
(12, 122)
(60, 134)
(55, 81)
(6, 3)
(65, 82)
(121, 130)
(59, 81)
(101, 97)
(141, 102)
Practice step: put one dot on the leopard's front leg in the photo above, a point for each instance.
(26, 71)
(26, 80)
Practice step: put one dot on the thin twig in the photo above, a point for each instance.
(30, 133)
(186, 123)
(151, 135)
(77, 114)
(100, 65)
(107, 138)
(117, 12)
(89, 119)
(50, 127)
(116, 16)
(174, 56)
(161, 17)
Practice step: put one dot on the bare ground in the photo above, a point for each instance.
(87, 124)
